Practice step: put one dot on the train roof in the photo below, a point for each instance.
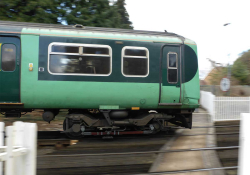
(15, 27)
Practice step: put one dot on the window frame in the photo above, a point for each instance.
(138, 48)
(78, 54)
(172, 67)
(2, 57)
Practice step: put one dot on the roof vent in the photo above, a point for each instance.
(78, 26)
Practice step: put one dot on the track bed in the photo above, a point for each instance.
(49, 163)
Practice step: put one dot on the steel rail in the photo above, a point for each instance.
(170, 135)
(219, 126)
(191, 170)
(227, 133)
(145, 152)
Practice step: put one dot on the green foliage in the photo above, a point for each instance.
(240, 71)
(120, 5)
(97, 13)
(40, 11)
(217, 74)
(240, 68)
(245, 58)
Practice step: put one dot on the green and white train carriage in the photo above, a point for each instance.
(137, 81)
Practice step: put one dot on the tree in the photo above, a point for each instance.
(217, 74)
(241, 68)
(245, 58)
(240, 71)
(39, 11)
(97, 13)
(125, 23)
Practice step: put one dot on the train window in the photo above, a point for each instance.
(95, 50)
(172, 67)
(8, 57)
(135, 61)
(135, 52)
(90, 59)
(64, 49)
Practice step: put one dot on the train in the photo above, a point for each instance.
(111, 81)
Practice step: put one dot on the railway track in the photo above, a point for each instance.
(101, 164)
(60, 135)
(121, 155)
(228, 157)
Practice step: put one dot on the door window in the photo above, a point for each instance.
(172, 67)
(8, 56)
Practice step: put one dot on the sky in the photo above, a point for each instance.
(201, 21)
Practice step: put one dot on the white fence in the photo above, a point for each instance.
(244, 143)
(19, 150)
(207, 101)
(224, 108)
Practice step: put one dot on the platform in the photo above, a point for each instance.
(191, 159)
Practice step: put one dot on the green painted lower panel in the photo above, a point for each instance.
(170, 94)
(65, 94)
(59, 94)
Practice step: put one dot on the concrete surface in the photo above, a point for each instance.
(190, 159)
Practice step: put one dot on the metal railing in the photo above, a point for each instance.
(224, 108)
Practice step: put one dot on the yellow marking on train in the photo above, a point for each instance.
(30, 66)
(135, 108)
(8, 50)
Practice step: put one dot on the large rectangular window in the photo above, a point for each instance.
(79, 59)
(135, 61)
(8, 57)
(172, 67)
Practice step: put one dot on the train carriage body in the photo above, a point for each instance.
(121, 73)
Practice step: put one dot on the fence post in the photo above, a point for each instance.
(1, 144)
(9, 144)
(213, 108)
(19, 139)
(244, 142)
(201, 98)
(30, 132)
(249, 105)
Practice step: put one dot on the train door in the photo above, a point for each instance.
(170, 85)
(9, 69)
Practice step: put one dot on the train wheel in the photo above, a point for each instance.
(71, 135)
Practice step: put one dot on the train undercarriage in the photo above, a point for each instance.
(81, 122)
(119, 122)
